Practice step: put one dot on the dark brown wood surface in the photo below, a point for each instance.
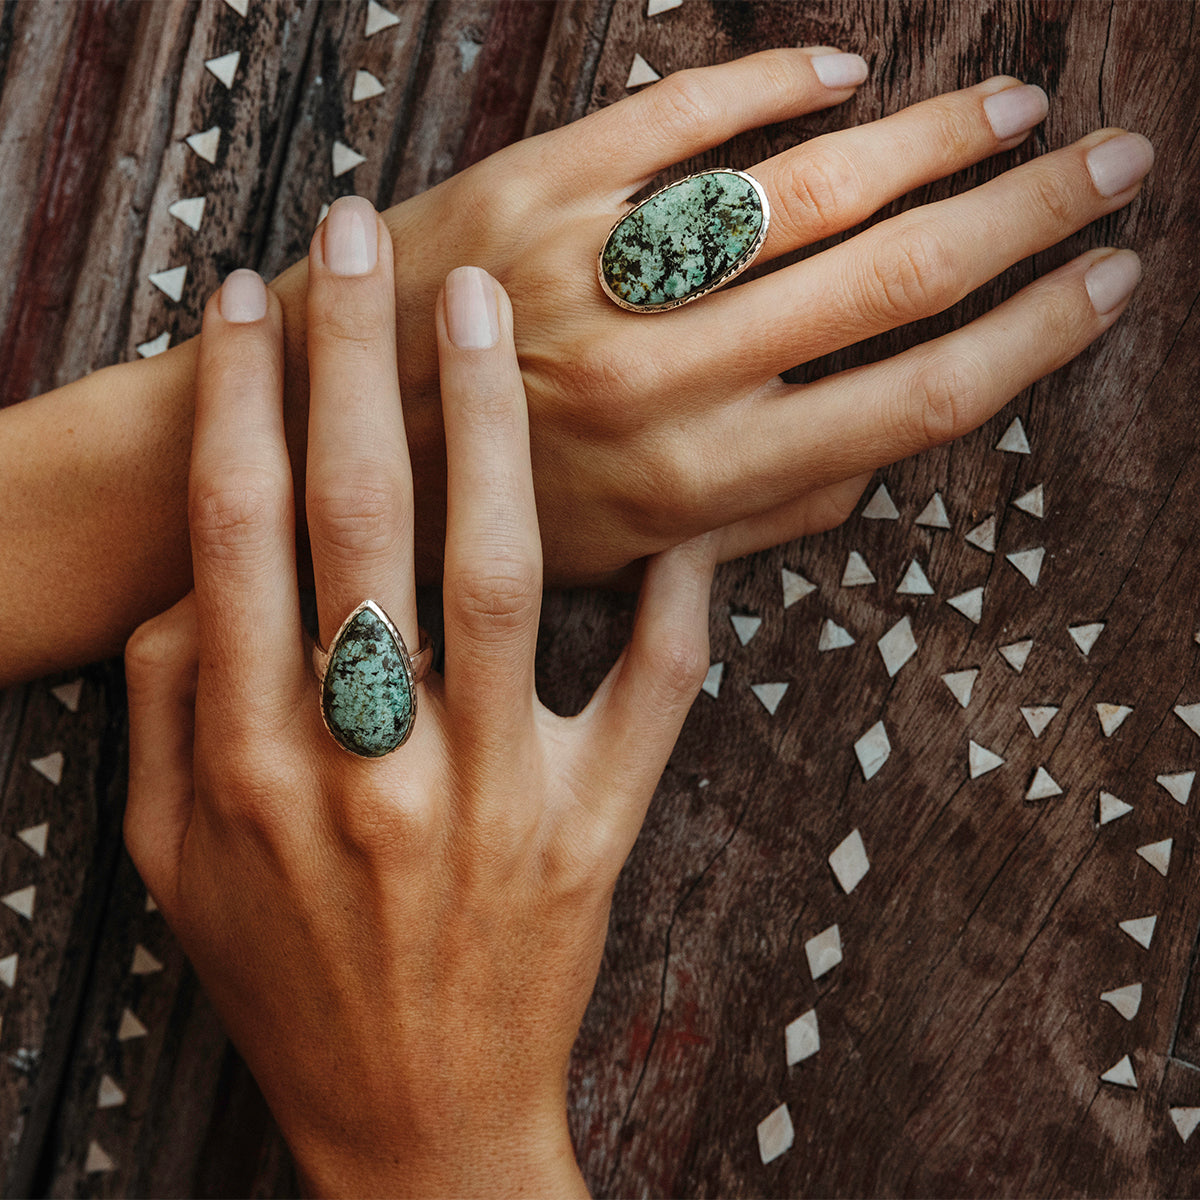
(962, 1035)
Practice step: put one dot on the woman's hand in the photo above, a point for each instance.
(647, 430)
(402, 948)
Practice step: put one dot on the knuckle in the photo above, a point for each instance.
(355, 325)
(956, 128)
(1051, 195)
(679, 664)
(942, 400)
(357, 519)
(150, 651)
(496, 596)
(912, 275)
(823, 192)
(686, 104)
(233, 512)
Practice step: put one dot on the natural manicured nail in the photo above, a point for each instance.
(1015, 110)
(839, 70)
(1110, 281)
(472, 319)
(1117, 164)
(351, 236)
(243, 298)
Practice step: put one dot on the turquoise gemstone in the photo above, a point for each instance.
(686, 239)
(368, 696)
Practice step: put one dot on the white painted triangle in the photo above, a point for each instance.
(983, 536)
(1112, 716)
(795, 587)
(1121, 1074)
(1039, 717)
(155, 345)
(97, 1159)
(833, 637)
(1084, 636)
(144, 963)
(225, 67)
(1185, 1121)
(1016, 654)
(1179, 786)
(655, 7)
(933, 514)
(109, 1094)
(366, 87)
(323, 213)
(151, 903)
(1189, 714)
(802, 1037)
(897, 646)
(1140, 929)
(970, 604)
(712, 681)
(775, 1134)
(1033, 502)
(824, 951)
(849, 862)
(8, 970)
(1112, 808)
(641, 73)
(980, 760)
(50, 767)
(745, 627)
(206, 144)
(1014, 440)
(1158, 855)
(241, 7)
(961, 684)
(189, 211)
(67, 694)
(21, 901)
(857, 573)
(769, 694)
(1043, 786)
(915, 582)
(1028, 562)
(170, 282)
(379, 18)
(880, 506)
(872, 750)
(35, 838)
(130, 1027)
(1126, 1000)
(345, 159)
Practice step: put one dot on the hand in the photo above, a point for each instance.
(647, 430)
(402, 948)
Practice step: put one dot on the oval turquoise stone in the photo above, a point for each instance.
(684, 239)
(367, 695)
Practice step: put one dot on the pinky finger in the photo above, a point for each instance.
(636, 714)
(161, 664)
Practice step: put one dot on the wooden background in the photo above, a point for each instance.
(962, 1036)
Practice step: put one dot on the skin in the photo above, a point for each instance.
(645, 430)
(402, 948)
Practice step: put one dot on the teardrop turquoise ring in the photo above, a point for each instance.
(369, 683)
(684, 241)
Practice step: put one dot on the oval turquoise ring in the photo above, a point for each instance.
(684, 241)
(369, 683)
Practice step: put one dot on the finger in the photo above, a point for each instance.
(359, 483)
(913, 265)
(832, 182)
(621, 147)
(492, 587)
(635, 716)
(240, 502)
(161, 666)
(869, 416)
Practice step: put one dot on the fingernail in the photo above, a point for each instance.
(472, 320)
(839, 70)
(1119, 163)
(1015, 110)
(243, 298)
(1110, 281)
(351, 236)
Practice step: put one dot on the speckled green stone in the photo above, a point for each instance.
(683, 239)
(367, 698)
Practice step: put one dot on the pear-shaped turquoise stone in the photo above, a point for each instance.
(367, 696)
(683, 239)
